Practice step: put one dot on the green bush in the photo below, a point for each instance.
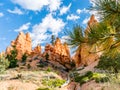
(47, 56)
(24, 57)
(109, 63)
(12, 58)
(102, 79)
(4, 64)
(49, 69)
(84, 78)
(90, 76)
(52, 83)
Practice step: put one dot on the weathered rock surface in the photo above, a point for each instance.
(58, 52)
(36, 50)
(22, 45)
(91, 22)
(83, 55)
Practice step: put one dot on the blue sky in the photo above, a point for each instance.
(41, 18)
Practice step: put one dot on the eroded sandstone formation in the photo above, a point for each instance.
(58, 52)
(37, 50)
(22, 44)
(83, 55)
(91, 23)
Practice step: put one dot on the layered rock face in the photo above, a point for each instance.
(83, 56)
(22, 45)
(58, 52)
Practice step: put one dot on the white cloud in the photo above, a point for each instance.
(78, 11)
(85, 10)
(97, 16)
(37, 5)
(64, 9)
(39, 33)
(15, 11)
(85, 21)
(92, 2)
(1, 14)
(91, 12)
(72, 17)
(54, 5)
(23, 27)
(64, 39)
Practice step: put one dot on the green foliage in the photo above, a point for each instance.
(102, 79)
(49, 69)
(84, 78)
(76, 37)
(72, 63)
(47, 56)
(12, 58)
(24, 57)
(110, 64)
(52, 83)
(53, 39)
(108, 10)
(90, 76)
(43, 89)
(106, 35)
(41, 65)
(4, 64)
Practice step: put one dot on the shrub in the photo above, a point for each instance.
(102, 79)
(4, 64)
(12, 58)
(24, 57)
(49, 69)
(109, 63)
(42, 63)
(47, 56)
(72, 63)
(52, 83)
(90, 76)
